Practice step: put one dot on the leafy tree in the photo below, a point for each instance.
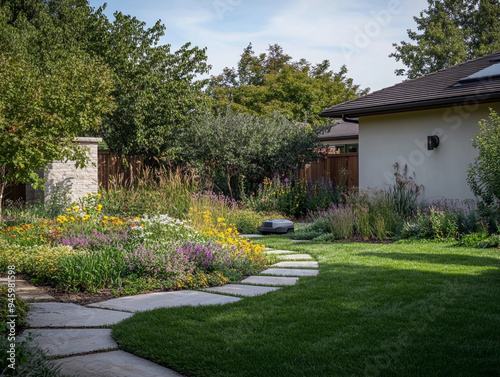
(155, 88)
(269, 82)
(484, 174)
(49, 94)
(230, 147)
(449, 32)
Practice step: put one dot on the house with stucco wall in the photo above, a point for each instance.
(402, 124)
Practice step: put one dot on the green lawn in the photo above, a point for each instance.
(421, 309)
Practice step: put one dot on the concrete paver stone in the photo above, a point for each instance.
(59, 314)
(290, 272)
(270, 280)
(294, 256)
(279, 252)
(164, 300)
(296, 264)
(243, 289)
(27, 291)
(63, 342)
(251, 235)
(111, 364)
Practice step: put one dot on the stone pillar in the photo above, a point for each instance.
(64, 176)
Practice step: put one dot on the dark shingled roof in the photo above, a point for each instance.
(435, 90)
(341, 131)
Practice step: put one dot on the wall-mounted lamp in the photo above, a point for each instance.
(432, 142)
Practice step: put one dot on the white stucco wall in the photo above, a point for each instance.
(402, 137)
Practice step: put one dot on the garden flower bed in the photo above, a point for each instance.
(86, 251)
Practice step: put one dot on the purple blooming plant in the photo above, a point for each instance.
(95, 241)
(217, 199)
(163, 262)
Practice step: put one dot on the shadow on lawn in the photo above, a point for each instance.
(455, 259)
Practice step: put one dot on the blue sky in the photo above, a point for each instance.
(356, 33)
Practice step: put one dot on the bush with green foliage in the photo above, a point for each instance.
(308, 234)
(21, 309)
(229, 149)
(293, 197)
(484, 174)
(431, 223)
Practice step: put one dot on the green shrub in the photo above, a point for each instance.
(321, 223)
(326, 237)
(92, 270)
(133, 285)
(484, 174)
(306, 234)
(477, 239)
(431, 223)
(480, 240)
(293, 197)
(21, 308)
(40, 263)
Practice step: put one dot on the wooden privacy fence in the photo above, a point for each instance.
(123, 170)
(342, 169)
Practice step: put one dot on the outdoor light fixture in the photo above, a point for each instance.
(432, 142)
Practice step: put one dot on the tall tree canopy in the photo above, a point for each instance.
(449, 32)
(268, 82)
(50, 92)
(155, 90)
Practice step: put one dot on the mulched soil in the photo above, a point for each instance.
(80, 298)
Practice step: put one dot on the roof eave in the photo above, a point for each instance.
(412, 106)
(324, 138)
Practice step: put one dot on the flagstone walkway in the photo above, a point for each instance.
(77, 338)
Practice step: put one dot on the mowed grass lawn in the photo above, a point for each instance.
(420, 309)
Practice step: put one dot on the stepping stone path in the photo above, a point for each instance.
(75, 337)
(27, 291)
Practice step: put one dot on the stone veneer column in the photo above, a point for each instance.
(66, 176)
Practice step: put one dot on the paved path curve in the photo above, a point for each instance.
(76, 336)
